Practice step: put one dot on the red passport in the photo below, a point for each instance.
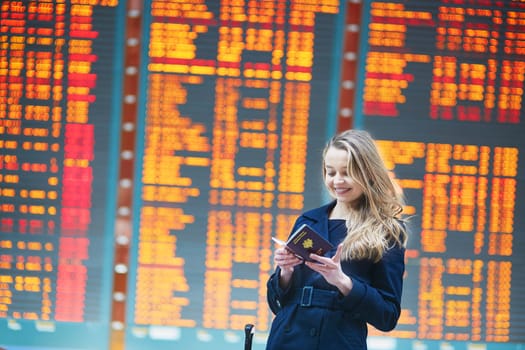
(304, 241)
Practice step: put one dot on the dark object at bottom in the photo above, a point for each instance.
(248, 336)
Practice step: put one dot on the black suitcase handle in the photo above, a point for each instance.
(248, 336)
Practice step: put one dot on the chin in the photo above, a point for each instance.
(343, 200)
(347, 201)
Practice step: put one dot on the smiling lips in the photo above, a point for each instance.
(342, 190)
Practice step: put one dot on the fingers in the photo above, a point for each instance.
(284, 258)
(324, 265)
(320, 259)
(336, 259)
(337, 256)
(330, 269)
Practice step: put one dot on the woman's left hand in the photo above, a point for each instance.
(330, 269)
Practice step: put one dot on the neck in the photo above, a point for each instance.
(340, 211)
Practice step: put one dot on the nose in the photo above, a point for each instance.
(338, 178)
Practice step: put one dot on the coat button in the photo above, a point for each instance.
(313, 332)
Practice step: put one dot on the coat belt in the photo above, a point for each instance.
(309, 296)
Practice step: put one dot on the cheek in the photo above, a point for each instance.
(355, 184)
(361, 192)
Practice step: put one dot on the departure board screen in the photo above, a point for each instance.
(442, 87)
(237, 98)
(57, 97)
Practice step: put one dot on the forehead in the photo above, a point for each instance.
(335, 157)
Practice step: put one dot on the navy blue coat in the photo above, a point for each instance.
(312, 314)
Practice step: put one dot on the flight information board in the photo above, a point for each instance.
(442, 87)
(57, 113)
(236, 98)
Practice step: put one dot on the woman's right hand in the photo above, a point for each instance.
(286, 261)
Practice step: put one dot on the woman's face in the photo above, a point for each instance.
(337, 180)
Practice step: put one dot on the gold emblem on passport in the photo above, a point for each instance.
(308, 243)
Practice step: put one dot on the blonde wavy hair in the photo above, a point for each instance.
(375, 224)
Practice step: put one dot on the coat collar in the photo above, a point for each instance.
(318, 218)
(320, 213)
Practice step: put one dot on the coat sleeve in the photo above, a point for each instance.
(378, 301)
(274, 293)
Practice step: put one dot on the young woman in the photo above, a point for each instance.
(328, 303)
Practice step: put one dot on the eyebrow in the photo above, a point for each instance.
(327, 167)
